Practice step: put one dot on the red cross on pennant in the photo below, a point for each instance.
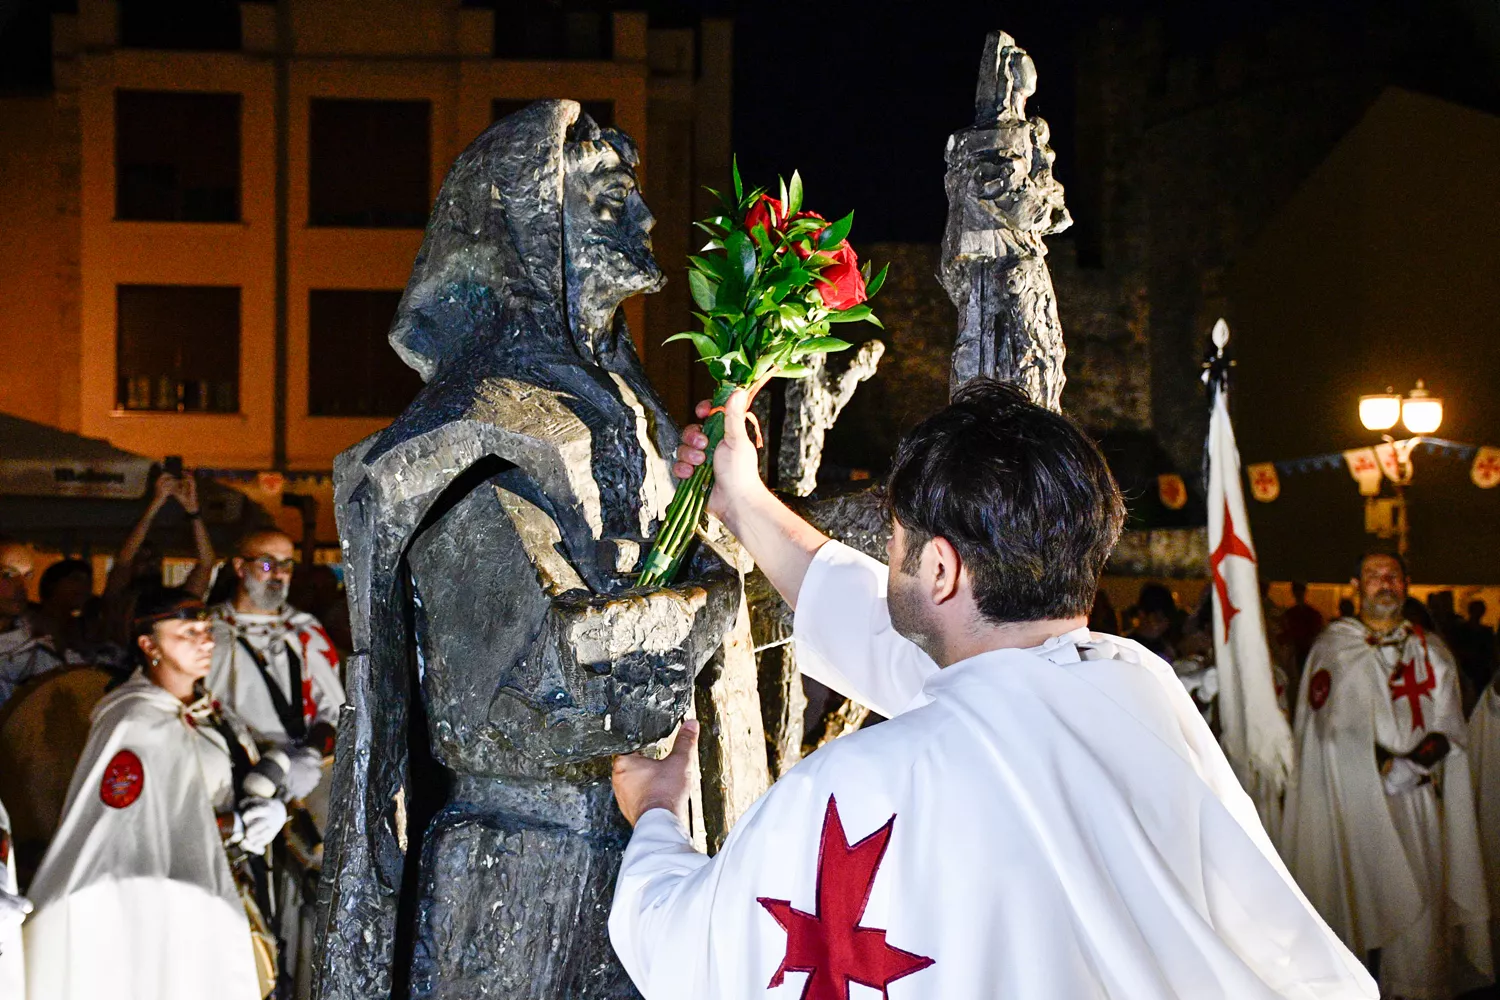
(1404, 684)
(1230, 544)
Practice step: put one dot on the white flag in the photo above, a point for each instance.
(1256, 737)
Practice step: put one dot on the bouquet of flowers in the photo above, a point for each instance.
(770, 282)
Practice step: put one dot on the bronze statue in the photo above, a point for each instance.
(492, 535)
(1002, 199)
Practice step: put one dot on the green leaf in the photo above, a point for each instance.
(874, 286)
(794, 371)
(703, 289)
(713, 266)
(851, 315)
(836, 233)
(739, 187)
(794, 195)
(783, 199)
(763, 237)
(707, 349)
(822, 345)
(742, 252)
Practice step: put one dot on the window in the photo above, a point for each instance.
(177, 348)
(603, 112)
(193, 25)
(177, 156)
(352, 370)
(371, 164)
(553, 29)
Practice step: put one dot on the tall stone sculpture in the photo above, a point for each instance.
(1002, 199)
(492, 535)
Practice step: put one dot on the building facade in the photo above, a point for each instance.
(206, 245)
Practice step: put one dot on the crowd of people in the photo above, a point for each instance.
(190, 838)
(190, 835)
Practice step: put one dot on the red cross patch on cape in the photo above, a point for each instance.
(124, 780)
(829, 944)
(1318, 688)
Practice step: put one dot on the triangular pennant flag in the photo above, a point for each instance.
(1265, 484)
(1486, 468)
(1364, 466)
(1172, 491)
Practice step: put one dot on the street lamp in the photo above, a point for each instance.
(1422, 413)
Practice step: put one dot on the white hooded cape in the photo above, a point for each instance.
(136, 901)
(1373, 863)
(12, 957)
(1031, 824)
(1484, 749)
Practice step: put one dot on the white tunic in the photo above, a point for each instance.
(12, 957)
(1031, 824)
(135, 899)
(236, 680)
(1396, 870)
(1484, 749)
(22, 657)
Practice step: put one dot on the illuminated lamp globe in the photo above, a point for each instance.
(1380, 411)
(1421, 411)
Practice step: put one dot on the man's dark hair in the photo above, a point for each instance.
(1477, 608)
(1022, 494)
(60, 571)
(1359, 564)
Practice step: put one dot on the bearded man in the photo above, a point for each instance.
(276, 668)
(1380, 824)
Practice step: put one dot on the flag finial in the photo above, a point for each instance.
(1216, 364)
(1221, 334)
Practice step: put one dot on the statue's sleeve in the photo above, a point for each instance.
(844, 634)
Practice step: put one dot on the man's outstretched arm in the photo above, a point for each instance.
(782, 544)
(844, 635)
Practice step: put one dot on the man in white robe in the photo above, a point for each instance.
(1045, 815)
(1484, 746)
(277, 669)
(1380, 826)
(23, 654)
(13, 910)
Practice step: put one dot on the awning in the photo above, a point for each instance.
(41, 461)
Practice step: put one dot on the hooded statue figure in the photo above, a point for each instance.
(492, 534)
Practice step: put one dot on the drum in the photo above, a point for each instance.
(43, 729)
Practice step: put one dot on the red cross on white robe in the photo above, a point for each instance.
(1404, 684)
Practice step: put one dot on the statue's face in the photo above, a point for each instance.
(1011, 179)
(607, 232)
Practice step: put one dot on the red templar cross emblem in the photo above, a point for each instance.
(1404, 684)
(829, 945)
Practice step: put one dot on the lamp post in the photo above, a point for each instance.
(1421, 413)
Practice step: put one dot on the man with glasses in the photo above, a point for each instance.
(276, 668)
(23, 654)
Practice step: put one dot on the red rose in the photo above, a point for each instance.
(766, 211)
(840, 283)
